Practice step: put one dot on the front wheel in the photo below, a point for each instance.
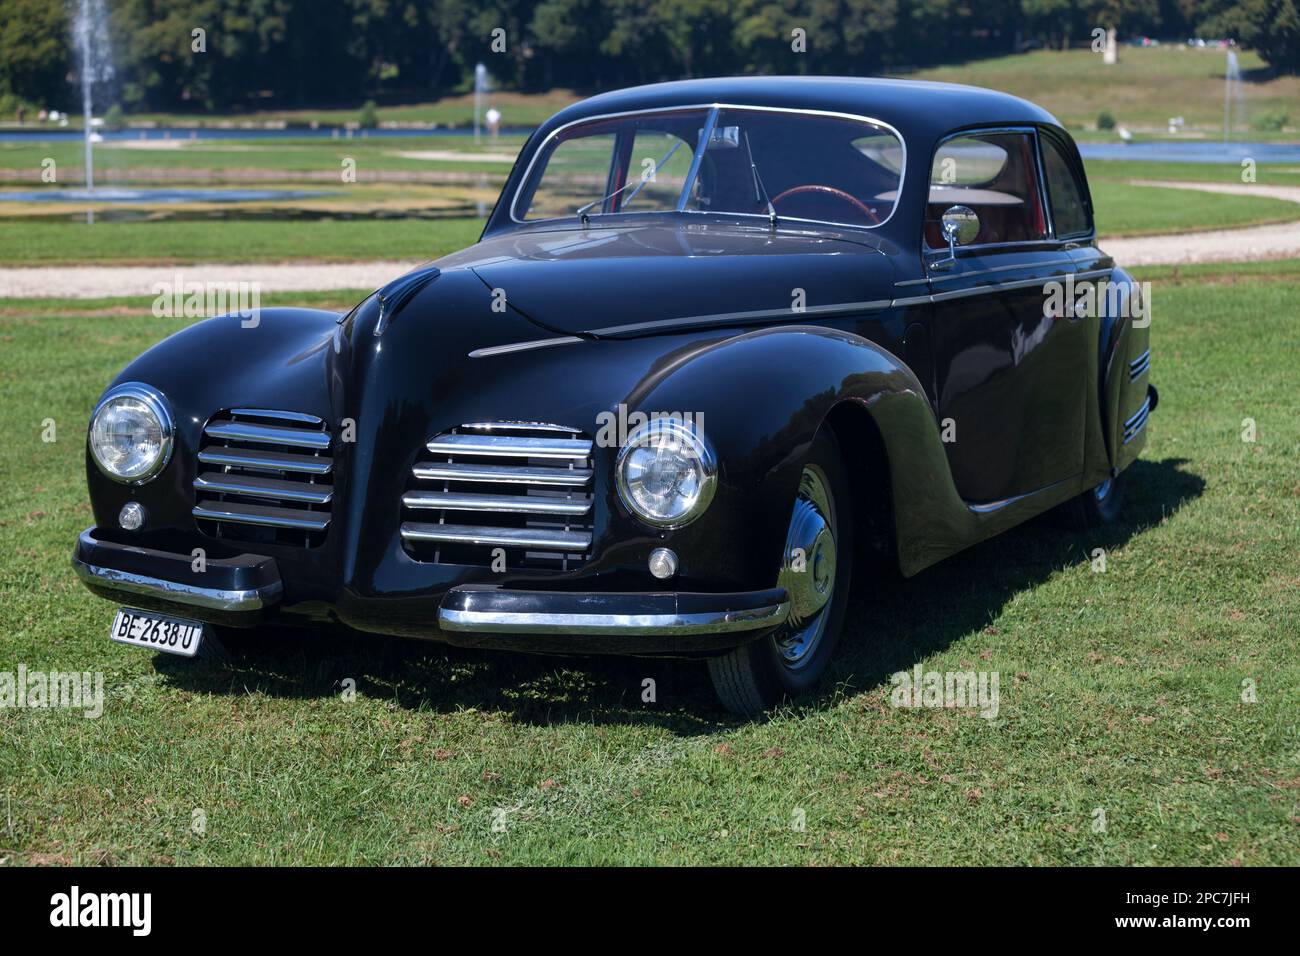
(816, 568)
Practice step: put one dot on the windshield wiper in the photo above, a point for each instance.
(760, 191)
(639, 182)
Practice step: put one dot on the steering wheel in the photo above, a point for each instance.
(829, 191)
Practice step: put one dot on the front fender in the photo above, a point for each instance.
(762, 396)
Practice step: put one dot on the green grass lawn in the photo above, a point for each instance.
(231, 159)
(1142, 91)
(1121, 691)
(181, 242)
(1122, 209)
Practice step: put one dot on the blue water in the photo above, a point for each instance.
(1193, 151)
(119, 195)
(323, 132)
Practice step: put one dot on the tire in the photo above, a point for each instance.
(1097, 507)
(791, 661)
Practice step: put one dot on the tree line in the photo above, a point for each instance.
(232, 55)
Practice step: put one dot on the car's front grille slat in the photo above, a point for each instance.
(518, 492)
(557, 539)
(511, 446)
(268, 477)
(263, 515)
(518, 504)
(502, 474)
(257, 486)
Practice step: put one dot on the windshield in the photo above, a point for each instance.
(770, 163)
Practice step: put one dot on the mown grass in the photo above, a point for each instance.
(180, 242)
(1121, 691)
(230, 159)
(1142, 91)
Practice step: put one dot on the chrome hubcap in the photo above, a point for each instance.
(808, 572)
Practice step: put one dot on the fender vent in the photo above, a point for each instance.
(264, 477)
(518, 489)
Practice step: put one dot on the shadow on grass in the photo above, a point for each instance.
(892, 623)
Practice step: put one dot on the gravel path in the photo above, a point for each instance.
(1251, 244)
(92, 282)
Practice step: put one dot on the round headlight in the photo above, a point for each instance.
(131, 433)
(666, 473)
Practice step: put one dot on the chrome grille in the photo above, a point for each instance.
(264, 477)
(523, 487)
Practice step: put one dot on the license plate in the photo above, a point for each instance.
(146, 629)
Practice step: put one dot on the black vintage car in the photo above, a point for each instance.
(718, 338)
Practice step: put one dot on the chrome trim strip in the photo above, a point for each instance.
(522, 426)
(911, 300)
(497, 537)
(1139, 366)
(1133, 427)
(842, 308)
(510, 446)
(255, 486)
(524, 346)
(267, 434)
(506, 504)
(263, 516)
(902, 142)
(283, 416)
(1018, 265)
(712, 622)
(990, 507)
(455, 471)
(1140, 413)
(211, 598)
(266, 460)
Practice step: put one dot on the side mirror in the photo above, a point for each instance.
(960, 227)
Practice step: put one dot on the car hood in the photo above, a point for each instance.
(630, 280)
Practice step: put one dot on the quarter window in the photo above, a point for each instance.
(995, 174)
(1069, 211)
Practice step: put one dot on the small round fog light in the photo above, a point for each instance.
(132, 516)
(663, 563)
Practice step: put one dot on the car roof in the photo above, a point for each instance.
(920, 110)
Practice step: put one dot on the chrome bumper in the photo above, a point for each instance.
(232, 590)
(653, 621)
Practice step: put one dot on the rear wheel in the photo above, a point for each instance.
(815, 572)
(1096, 507)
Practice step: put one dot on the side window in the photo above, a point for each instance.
(996, 175)
(1069, 211)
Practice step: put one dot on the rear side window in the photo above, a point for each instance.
(1069, 211)
(996, 175)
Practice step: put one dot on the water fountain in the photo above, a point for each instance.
(91, 31)
(1232, 95)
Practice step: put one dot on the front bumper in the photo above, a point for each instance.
(245, 590)
(657, 622)
(240, 591)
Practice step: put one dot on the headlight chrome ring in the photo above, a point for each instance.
(156, 406)
(666, 490)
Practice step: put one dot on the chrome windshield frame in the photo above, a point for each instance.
(715, 110)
